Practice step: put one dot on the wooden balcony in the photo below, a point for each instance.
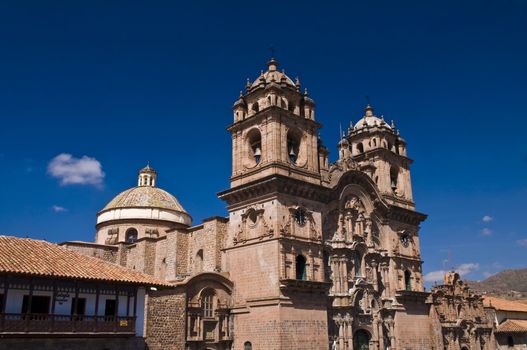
(65, 324)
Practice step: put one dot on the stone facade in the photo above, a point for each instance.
(313, 255)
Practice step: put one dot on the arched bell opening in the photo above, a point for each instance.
(293, 146)
(254, 140)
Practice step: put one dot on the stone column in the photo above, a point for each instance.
(345, 275)
(381, 336)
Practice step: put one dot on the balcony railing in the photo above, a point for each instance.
(61, 324)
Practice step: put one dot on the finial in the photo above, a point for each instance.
(350, 128)
(248, 84)
(368, 111)
(272, 64)
(340, 129)
(241, 93)
(297, 84)
(305, 91)
(392, 124)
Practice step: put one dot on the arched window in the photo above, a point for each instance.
(207, 303)
(255, 107)
(360, 147)
(301, 268)
(407, 280)
(198, 263)
(247, 346)
(131, 235)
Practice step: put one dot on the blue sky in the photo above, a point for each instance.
(126, 83)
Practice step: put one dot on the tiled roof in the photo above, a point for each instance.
(504, 305)
(40, 258)
(513, 326)
(145, 197)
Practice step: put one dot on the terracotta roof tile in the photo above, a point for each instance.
(513, 326)
(40, 258)
(503, 304)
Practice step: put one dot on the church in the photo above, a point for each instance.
(313, 255)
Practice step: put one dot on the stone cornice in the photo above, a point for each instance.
(265, 113)
(274, 184)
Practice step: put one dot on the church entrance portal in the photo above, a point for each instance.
(361, 340)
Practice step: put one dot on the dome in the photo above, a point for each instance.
(370, 120)
(145, 202)
(145, 197)
(272, 75)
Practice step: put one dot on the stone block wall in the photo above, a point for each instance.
(254, 269)
(165, 322)
(413, 328)
(208, 238)
(104, 252)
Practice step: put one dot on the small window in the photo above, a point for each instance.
(131, 235)
(301, 268)
(80, 304)
(208, 304)
(247, 346)
(110, 308)
(357, 259)
(407, 280)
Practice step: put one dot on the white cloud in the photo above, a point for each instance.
(463, 269)
(76, 171)
(522, 242)
(434, 276)
(487, 218)
(58, 209)
(486, 231)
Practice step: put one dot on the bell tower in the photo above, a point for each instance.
(274, 130)
(274, 250)
(379, 147)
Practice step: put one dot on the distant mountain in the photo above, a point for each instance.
(507, 283)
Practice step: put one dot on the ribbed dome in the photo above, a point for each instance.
(146, 201)
(145, 197)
